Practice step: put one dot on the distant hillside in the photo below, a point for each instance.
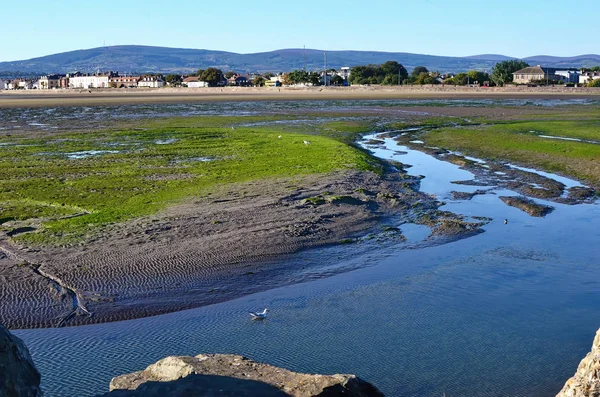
(139, 59)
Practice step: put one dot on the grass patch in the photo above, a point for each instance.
(113, 176)
(515, 142)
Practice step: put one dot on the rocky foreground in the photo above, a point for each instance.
(216, 375)
(586, 382)
(18, 375)
(230, 375)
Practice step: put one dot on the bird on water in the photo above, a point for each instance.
(506, 221)
(259, 315)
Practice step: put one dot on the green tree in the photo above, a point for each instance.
(212, 76)
(258, 81)
(387, 73)
(594, 83)
(314, 78)
(503, 71)
(173, 79)
(229, 74)
(337, 80)
(417, 71)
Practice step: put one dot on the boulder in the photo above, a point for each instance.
(586, 382)
(211, 375)
(18, 375)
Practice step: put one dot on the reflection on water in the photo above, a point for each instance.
(507, 312)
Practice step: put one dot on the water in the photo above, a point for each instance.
(508, 312)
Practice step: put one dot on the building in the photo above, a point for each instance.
(50, 82)
(238, 80)
(568, 75)
(151, 82)
(194, 82)
(274, 81)
(3, 85)
(123, 81)
(585, 77)
(533, 73)
(99, 80)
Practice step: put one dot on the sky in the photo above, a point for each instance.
(518, 28)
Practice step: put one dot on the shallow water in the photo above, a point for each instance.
(508, 312)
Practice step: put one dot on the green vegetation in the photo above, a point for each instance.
(73, 183)
(502, 72)
(520, 141)
(470, 77)
(389, 73)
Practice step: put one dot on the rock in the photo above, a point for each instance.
(230, 375)
(586, 382)
(18, 375)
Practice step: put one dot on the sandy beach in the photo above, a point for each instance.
(96, 97)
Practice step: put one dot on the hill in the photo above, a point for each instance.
(140, 59)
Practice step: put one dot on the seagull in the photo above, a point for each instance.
(259, 316)
(506, 221)
(307, 142)
(279, 137)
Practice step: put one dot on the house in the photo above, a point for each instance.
(533, 73)
(3, 85)
(151, 82)
(194, 82)
(238, 80)
(98, 80)
(274, 81)
(585, 77)
(123, 81)
(49, 82)
(568, 75)
(20, 84)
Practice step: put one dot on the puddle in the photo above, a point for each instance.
(165, 141)
(569, 183)
(415, 233)
(89, 153)
(562, 138)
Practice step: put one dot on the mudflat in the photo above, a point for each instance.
(76, 97)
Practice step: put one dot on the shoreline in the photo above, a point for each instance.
(104, 97)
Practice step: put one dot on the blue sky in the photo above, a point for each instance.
(517, 28)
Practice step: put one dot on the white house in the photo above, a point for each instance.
(3, 85)
(91, 81)
(568, 76)
(151, 82)
(584, 77)
(194, 82)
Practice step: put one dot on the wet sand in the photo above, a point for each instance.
(206, 251)
(95, 97)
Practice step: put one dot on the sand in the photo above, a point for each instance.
(202, 252)
(73, 97)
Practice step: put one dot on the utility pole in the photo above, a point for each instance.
(304, 55)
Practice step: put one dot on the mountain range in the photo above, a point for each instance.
(148, 59)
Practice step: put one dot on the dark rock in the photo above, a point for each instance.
(18, 375)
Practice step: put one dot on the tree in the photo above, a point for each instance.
(337, 80)
(593, 83)
(258, 81)
(417, 71)
(229, 74)
(390, 73)
(503, 71)
(212, 76)
(173, 79)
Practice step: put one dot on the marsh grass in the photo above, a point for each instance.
(520, 142)
(40, 180)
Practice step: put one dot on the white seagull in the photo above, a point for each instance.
(307, 142)
(259, 315)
